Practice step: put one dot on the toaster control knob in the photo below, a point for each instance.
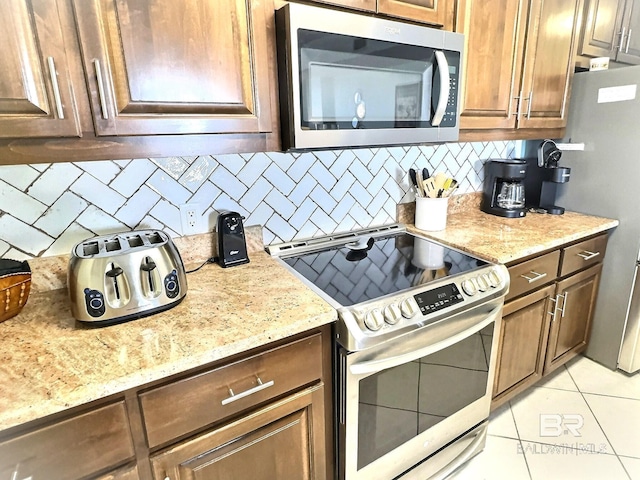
(171, 285)
(374, 319)
(148, 265)
(95, 302)
(114, 272)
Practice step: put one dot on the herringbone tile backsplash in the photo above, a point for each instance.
(46, 209)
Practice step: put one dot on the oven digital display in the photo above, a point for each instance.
(438, 298)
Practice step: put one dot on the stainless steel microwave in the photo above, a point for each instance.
(348, 80)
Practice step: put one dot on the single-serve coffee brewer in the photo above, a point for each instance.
(504, 188)
(543, 177)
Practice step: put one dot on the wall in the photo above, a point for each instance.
(46, 209)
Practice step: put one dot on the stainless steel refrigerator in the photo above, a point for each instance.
(605, 180)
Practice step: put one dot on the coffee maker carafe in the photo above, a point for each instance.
(504, 191)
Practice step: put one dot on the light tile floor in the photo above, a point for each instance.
(580, 423)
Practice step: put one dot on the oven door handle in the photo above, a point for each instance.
(377, 365)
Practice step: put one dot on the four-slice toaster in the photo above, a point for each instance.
(123, 276)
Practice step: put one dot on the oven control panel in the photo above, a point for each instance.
(438, 298)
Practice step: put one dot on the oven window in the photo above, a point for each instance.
(400, 403)
(351, 82)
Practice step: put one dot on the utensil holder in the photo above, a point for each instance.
(431, 213)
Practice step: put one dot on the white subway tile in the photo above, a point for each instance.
(167, 187)
(302, 190)
(364, 154)
(133, 176)
(198, 173)
(342, 163)
(343, 186)
(97, 193)
(280, 227)
(253, 169)
(99, 222)
(260, 216)
(206, 195)
(379, 159)
(232, 162)
(61, 214)
(280, 204)
(64, 244)
(15, 254)
(323, 221)
(20, 176)
(308, 230)
(168, 214)
(151, 223)
(358, 192)
(174, 166)
(279, 179)
(19, 204)
(137, 207)
(54, 182)
(323, 176)
(4, 247)
(327, 157)
(323, 199)
(283, 160)
(343, 207)
(104, 170)
(302, 214)
(228, 183)
(396, 152)
(361, 172)
(256, 194)
(23, 236)
(225, 202)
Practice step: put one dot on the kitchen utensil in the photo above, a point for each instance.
(123, 276)
(421, 185)
(232, 246)
(15, 285)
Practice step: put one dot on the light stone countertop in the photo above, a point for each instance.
(505, 240)
(49, 364)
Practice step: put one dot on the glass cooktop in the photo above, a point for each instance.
(383, 266)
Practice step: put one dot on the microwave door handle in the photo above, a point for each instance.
(443, 70)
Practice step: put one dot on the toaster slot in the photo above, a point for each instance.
(112, 245)
(155, 238)
(135, 241)
(150, 278)
(90, 248)
(117, 289)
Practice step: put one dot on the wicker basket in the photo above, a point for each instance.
(15, 285)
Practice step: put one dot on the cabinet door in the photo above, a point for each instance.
(283, 440)
(549, 63)
(494, 35)
(571, 325)
(602, 28)
(434, 12)
(167, 67)
(36, 98)
(522, 344)
(629, 51)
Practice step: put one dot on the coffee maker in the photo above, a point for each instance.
(504, 187)
(543, 177)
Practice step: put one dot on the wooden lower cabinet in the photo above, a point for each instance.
(276, 442)
(547, 318)
(219, 422)
(523, 337)
(571, 326)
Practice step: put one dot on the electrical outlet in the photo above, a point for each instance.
(190, 218)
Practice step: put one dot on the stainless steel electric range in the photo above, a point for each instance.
(414, 348)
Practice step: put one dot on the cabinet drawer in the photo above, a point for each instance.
(75, 448)
(190, 404)
(533, 273)
(583, 254)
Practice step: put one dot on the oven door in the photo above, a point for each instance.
(403, 401)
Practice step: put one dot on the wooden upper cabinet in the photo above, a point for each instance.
(167, 67)
(367, 5)
(36, 96)
(629, 52)
(518, 62)
(549, 63)
(435, 12)
(602, 27)
(494, 36)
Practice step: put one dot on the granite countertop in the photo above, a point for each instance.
(506, 240)
(49, 364)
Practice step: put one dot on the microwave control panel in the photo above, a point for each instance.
(450, 115)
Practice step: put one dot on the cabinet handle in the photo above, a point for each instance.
(261, 386)
(517, 108)
(555, 308)
(101, 95)
(529, 102)
(626, 49)
(564, 303)
(537, 276)
(587, 255)
(56, 87)
(621, 38)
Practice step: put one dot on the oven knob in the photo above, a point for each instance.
(374, 319)
(494, 279)
(409, 307)
(392, 314)
(469, 287)
(483, 283)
